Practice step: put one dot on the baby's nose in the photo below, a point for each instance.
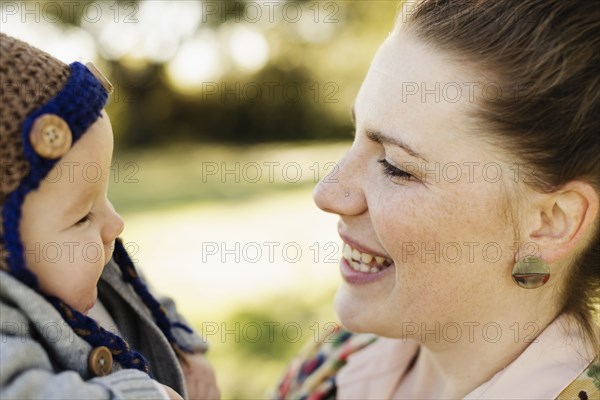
(114, 225)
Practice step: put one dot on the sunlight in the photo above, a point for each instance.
(151, 33)
(248, 48)
(68, 44)
(196, 62)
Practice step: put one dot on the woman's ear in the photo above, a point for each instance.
(564, 220)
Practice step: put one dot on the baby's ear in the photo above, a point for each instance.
(566, 219)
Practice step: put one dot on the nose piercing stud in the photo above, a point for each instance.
(347, 194)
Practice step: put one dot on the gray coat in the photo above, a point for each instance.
(42, 357)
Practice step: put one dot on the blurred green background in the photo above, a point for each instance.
(226, 113)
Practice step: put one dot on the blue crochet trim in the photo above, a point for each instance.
(96, 336)
(79, 103)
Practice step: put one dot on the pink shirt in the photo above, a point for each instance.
(542, 371)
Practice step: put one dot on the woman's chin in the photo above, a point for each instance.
(363, 314)
(352, 313)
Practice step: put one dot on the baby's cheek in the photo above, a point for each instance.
(58, 281)
(89, 252)
(81, 293)
(75, 277)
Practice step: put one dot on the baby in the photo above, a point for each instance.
(76, 319)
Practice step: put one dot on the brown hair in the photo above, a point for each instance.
(544, 57)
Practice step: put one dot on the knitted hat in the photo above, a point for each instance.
(46, 106)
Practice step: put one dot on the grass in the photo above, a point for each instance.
(251, 347)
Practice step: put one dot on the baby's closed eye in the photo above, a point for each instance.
(85, 219)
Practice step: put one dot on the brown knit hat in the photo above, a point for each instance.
(28, 78)
(33, 88)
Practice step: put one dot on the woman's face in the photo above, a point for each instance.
(443, 236)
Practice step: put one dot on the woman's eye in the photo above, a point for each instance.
(394, 173)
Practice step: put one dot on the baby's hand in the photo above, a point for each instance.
(173, 395)
(199, 377)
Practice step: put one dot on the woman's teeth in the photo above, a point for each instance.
(364, 262)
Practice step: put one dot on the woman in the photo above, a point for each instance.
(468, 208)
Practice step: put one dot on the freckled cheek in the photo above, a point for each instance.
(402, 227)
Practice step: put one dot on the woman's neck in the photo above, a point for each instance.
(454, 366)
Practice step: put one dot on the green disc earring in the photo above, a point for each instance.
(531, 272)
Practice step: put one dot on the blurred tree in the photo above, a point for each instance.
(228, 71)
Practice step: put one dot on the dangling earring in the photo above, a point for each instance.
(531, 272)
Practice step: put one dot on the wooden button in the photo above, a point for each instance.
(100, 361)
(100, 76)
(50, 136)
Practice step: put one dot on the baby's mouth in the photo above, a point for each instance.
(108, 252)
(364, 262)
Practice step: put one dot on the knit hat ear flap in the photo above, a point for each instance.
(29, 78)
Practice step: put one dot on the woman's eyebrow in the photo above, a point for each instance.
(381, 138)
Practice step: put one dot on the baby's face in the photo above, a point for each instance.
(68, 225)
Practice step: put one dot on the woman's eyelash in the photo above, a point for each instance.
(393, 171)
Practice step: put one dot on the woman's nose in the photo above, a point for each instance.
(114, 225)
(341, 192)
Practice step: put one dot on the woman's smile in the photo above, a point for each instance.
(360, 265)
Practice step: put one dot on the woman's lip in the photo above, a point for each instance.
(352, 276)
(360, 247)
